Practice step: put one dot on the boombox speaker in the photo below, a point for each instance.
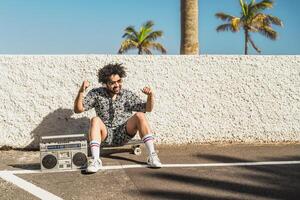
(63, 152)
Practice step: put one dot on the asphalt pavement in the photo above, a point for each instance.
(189, 172)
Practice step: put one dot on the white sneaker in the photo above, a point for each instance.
(94, 165)
(153, 161)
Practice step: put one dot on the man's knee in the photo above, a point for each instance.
(96, 121)
(140, 116)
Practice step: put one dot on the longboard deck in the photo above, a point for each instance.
(133, 144)
(130, 143)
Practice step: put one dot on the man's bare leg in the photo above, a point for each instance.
(138, 122)
(97, 134)
(97, 130)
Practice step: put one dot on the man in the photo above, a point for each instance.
(115, 124)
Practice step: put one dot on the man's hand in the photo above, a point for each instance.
(147, 91)
(150, 98)
(84, 86)
(78, 104)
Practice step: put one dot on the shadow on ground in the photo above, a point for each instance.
(30, 166)
(241, 182)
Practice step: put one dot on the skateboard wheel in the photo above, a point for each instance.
(133, 147)
(137, 151)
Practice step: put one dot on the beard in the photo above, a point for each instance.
(115, 90)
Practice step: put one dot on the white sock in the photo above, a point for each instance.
(95, 149)
(148, 140)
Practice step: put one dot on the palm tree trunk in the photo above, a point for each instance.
(246, 41)
(189, 27)
(140, 51)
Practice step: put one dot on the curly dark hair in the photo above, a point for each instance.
(111, 69)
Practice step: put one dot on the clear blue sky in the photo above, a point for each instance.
(96, 26)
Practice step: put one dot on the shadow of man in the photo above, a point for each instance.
(59, 122)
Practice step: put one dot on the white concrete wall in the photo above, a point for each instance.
(203, 99)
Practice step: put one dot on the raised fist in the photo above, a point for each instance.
(147, 91)
(84, 85)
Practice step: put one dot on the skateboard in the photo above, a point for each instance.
(135, 146)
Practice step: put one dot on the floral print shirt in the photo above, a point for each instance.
(113, 112)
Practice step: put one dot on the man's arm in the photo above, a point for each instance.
(150, 98)
(78, 104)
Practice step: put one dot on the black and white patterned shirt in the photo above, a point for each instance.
(113, 112)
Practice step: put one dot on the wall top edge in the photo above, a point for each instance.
(114, 55)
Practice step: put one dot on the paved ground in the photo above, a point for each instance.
(270, 180)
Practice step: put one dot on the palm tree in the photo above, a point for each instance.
(142, 40)
(251, 20)
(189, 27)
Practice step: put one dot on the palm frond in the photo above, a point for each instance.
(235, 22)
(242, 4)
(130, 37)
(259, 20)
(252, 3)
(146, 50)
(246, 10)
(127, 45)
(154, 35)
(268, 32)
(130, 30)
(224, 16)
(148, 24)
(144, 32)
(275, 20)
(157, 46)
(225, 27)
(252, 28)
(264, 4)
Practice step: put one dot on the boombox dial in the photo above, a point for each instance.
(49, 161)
(79, 159)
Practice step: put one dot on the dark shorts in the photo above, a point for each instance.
(116, 136)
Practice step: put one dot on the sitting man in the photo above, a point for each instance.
(115, 124)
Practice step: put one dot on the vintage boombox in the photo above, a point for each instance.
(63, 152)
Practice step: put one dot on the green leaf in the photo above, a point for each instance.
(242, 5)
